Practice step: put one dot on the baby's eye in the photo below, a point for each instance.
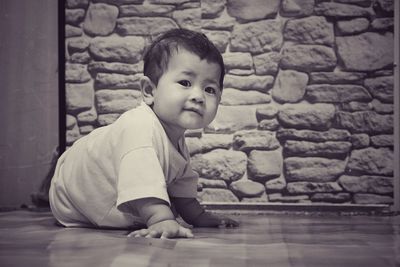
(185, 83)
(211, 90)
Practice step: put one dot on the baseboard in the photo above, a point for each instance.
(261, 208)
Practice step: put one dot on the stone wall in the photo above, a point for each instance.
(307, 109)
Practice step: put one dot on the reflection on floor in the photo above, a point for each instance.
(33, 239)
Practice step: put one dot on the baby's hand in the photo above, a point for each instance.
(163, 229)
(227, 222)
(207, 219)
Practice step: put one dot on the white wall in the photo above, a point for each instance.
(28, 96)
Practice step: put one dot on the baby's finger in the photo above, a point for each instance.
(232, 223)
(185, 232)
(226, 222)
(152, 234)
(166, 235)
(139, 233)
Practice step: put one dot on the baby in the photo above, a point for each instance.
(137, 169)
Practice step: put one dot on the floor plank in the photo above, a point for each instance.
(33, 239)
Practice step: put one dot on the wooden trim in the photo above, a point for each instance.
(241, 208)
(396, 181)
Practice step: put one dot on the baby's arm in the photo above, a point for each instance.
(193, 213)
(159, 219)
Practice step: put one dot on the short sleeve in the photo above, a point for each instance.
(140, 176)
(186, 186)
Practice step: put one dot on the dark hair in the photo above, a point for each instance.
(158, 54)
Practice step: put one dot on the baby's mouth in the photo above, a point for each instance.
(195, 110)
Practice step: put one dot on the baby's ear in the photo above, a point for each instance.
(147, 87)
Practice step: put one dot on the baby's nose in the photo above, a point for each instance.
(197, 95)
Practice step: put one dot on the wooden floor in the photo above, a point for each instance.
(32, 239)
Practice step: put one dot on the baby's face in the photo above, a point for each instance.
(188, 93)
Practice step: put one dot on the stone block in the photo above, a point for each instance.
(79, 96)
(354, 26)
(148, 10)
(359, 140)
(364, 122)
(106, 119)
(382, 108)
(216, 195)
(211, 8)
(264, 165)
(117, 101)
(233, 118)
(355, 106)
(276, 184)
(329, 149)
(220, 164)
(234, 97)
(100, 19)
(211, 183)
(307, 116)
(122, 2)
(249, 140)
(252, 82)
(331, 197)
(208, 142)
(313, 169)
(88, 116)
(310, 187)
(372, 199)
(269, 125)
(70, 122)
(80, 57)
(250, 10)
(238, 60)
(115, 67)
(77, 3)
(308, 58)
(74, 16)
(144, 26)
(117, 81)
(76, 73)
(86, 129)
(313, 136)
(77, 45)
(289, 86)
(166, 2)
(257, 37)
(247, 188)
(382, 140)
(376, 53)
(72, 135)
(188, 18)
(278, 197)
(382, 24)
(341, 10)
(374, 161)
(297, 8)
(261, 199)
(267, 63)
(381, 88)
(386, 5)
(224, 22)
(265, 113)
(72, 31)
(309, 30)
(328, 93)
(240, 72)
(117, 49)
(337, 77)
(367, 184)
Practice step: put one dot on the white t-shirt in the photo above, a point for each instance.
(127, 160)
